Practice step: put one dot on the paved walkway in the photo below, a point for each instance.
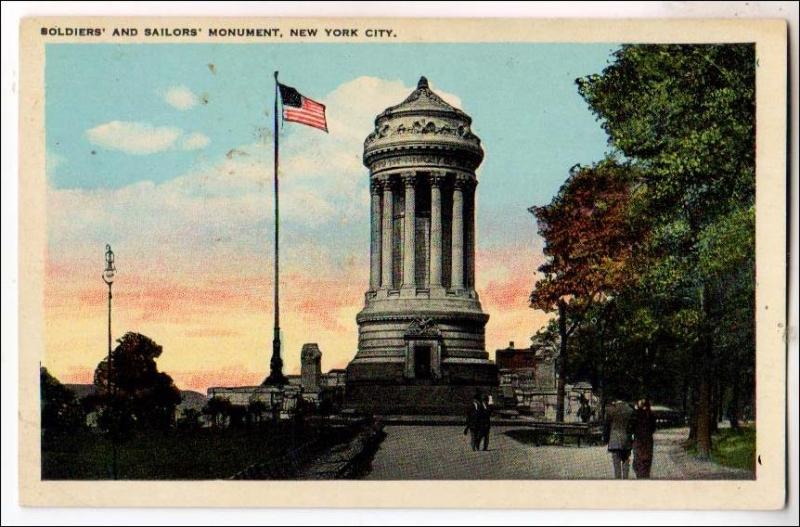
(443, 452)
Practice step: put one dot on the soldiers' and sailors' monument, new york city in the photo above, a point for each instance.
(421, 333)
(588, 309)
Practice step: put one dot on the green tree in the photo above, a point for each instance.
(218, 409)
(137, 395)
(237, 416)
(61, 412)
(256, 409)
(190, 419)
(727, 263)
(684, 116)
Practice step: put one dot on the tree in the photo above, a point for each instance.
(217, 409)
(684, 116)
(190, 419)
(726, 260)
(589, 237)
(237, 416)
(60, 410)
(137, 395)
(256, 409)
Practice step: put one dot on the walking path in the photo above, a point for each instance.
(443, 452)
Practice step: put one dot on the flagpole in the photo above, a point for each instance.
(276, 363)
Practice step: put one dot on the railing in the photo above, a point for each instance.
(285, 466)
(326, 434)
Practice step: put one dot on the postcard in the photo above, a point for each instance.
(403, 263)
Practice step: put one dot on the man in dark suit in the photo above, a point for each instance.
(484, 421)
(474, 421)
(618, 428)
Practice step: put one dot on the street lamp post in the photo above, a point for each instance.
(108, 277)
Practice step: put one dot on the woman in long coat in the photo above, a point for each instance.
(644, 428)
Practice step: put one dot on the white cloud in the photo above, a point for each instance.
(225, 207)
(195, 141)
(212, 225)
(134, 137)
(181, 98)
(143, 138)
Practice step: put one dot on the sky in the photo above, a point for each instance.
(165, 152)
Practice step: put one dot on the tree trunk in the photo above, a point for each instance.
(704, 416)
(733, 409)
(602, 380)
(704, 367)
(562, 361)
(685, 396)
(714, 403)
(601, 385)
(693, 412)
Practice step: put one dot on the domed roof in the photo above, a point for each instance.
(422, 123)
(423, 100)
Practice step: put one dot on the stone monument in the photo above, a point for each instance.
(421, 333)
(310, 367)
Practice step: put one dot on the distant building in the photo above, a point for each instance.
(334, 379)
(311, 385)
(528, 383)
(512, 358)
(282, 400)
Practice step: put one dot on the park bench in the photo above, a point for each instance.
(507, 414)
(589, 433)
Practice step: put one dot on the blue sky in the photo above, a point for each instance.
(522, 97)
(170, 160)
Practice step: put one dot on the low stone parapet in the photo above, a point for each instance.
(349, 460)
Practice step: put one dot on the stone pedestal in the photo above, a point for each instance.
(310, 367)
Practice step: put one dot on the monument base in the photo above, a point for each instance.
(412, 399)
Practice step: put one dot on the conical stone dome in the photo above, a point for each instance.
(423, 123)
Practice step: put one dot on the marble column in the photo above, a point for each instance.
(436, 231)
(386, 242)
(409, 231)
(457, 274)
(375, 237)
(470, 276)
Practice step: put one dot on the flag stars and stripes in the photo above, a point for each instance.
(300, 109)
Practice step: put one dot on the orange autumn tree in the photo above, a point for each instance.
(589, 239)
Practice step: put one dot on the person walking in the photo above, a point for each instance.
(484, 421)
(643, 430)
(619, 418)
(585, 411)
(474, 421)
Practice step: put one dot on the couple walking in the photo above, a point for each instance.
(479, 421)
(629, 429)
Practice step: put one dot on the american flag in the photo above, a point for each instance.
(300, 109)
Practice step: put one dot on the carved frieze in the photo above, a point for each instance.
(423, 127)
(428, 160)
(423, 327)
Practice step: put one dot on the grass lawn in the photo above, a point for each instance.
(198, 454)
(735, 448)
